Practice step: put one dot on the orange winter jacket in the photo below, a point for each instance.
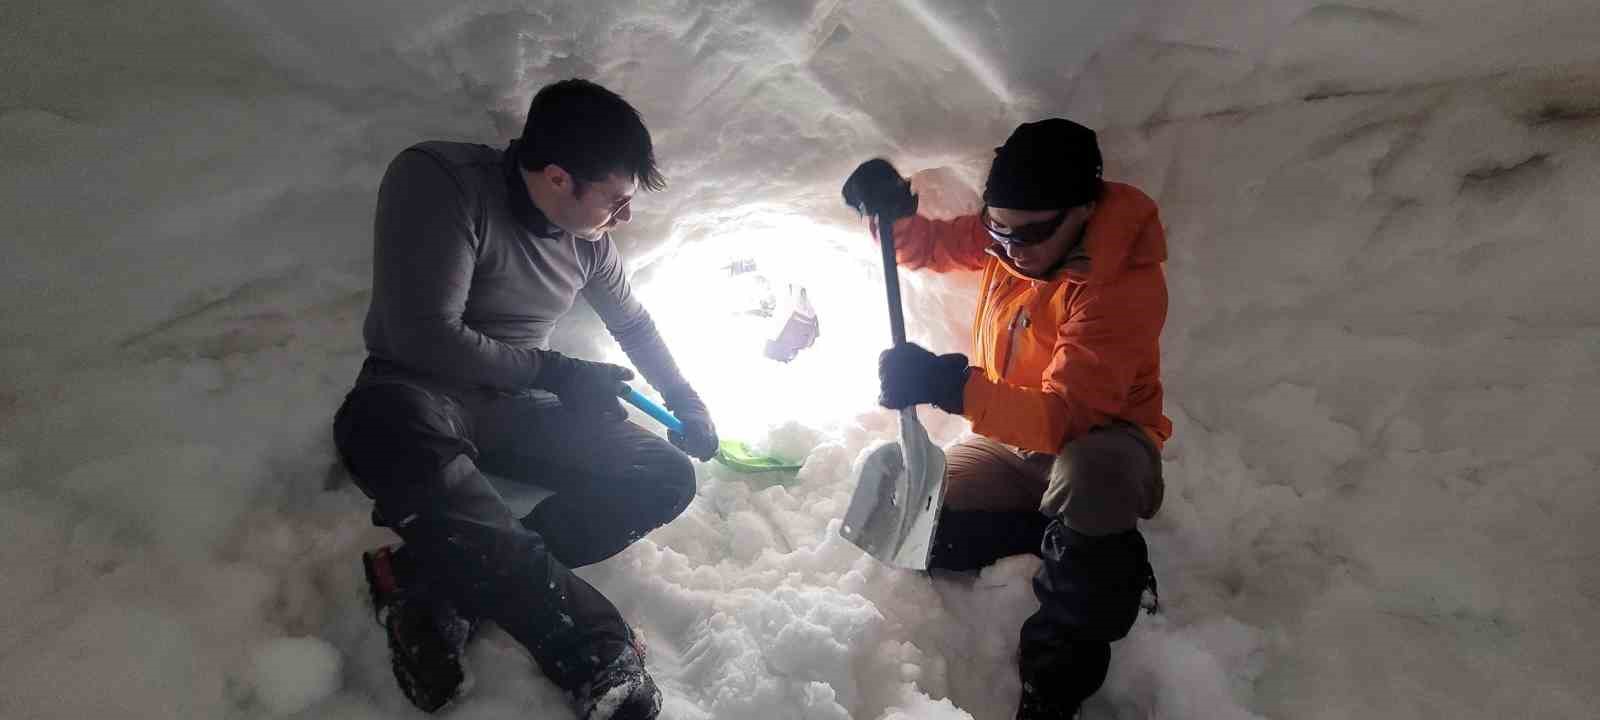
(1060, 355)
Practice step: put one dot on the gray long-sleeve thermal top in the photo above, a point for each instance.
(470, 278)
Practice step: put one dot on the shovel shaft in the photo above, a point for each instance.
(652, 409)
(891, 280)
(894, 509)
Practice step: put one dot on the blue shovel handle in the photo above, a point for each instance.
(652, 409)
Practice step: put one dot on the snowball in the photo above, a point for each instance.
(290, 674)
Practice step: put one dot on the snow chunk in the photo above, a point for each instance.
(290, 674)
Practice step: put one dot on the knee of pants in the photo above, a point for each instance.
(1095, 490)
(676, 480)
(398, 433)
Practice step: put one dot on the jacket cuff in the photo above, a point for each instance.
(976, 395)
(682, 398)
(951, 388)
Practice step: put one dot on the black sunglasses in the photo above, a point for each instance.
(1022, 235)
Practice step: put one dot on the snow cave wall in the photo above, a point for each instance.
(1381, 356)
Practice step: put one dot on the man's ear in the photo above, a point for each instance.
(558, 178)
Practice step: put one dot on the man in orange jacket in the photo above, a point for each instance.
(1064, 391)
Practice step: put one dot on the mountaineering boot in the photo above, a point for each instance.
(622, 690)
(1058, 677)
(426, 637)
(1089, 590)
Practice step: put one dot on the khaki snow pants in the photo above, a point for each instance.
(1102, 482)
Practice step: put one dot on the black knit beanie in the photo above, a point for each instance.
(1045, 165)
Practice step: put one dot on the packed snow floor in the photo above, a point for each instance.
(1383, 355)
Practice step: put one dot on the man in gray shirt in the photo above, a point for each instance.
(478, 253)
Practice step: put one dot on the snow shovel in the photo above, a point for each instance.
(895, 508)
(732, 453)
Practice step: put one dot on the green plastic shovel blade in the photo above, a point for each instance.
(741, 458)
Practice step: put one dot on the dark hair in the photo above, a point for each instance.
(590, 132)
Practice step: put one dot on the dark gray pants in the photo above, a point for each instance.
(419, 451)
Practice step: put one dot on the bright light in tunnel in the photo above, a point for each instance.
(719, 299)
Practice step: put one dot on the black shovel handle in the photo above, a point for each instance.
(891, 280)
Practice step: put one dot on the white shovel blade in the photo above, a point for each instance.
(898, 495)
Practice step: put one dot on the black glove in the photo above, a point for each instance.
(699, 436)
(591, 389)
(909, 375)
(877, 189)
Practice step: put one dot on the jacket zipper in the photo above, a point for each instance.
(1002, 297)
(985, 331)
(1018, 325)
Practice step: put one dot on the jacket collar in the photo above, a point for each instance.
(527, 214)
(1076, 262)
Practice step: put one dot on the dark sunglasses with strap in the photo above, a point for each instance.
(1021, 235)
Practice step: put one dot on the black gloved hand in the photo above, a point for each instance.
(909, 375)
(699, 436)
(876, 189)
(590, 389)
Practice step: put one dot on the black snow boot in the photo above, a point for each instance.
(622, 690)
(427, 637)
(1089, 589)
